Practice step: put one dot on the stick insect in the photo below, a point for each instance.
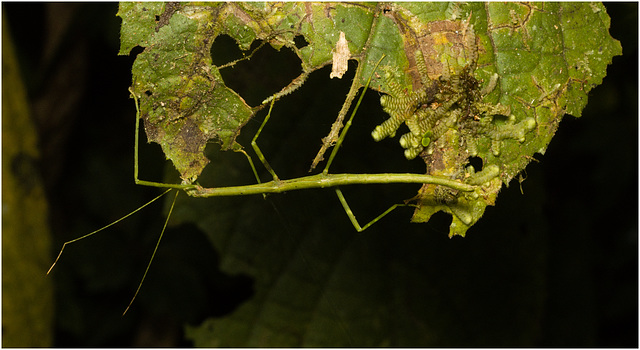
(276, 185)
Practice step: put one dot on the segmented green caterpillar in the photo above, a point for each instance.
(427, 117)
(413, 152)
(487, 174)
(461, 213)
(516, 131)
(453, 11)
(393, 85)
(471, 45)
(455, 84)
(408, 140)
(395, 105)
(399, 110)
(472, 146)
(493, 81)
(453, 101)
(445, 123)
(496, 146)
(422, 67)
(387, 128)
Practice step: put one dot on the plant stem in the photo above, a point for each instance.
(327, 180)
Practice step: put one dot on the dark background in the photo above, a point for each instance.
(77, 87)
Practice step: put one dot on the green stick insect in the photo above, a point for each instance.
(277, 185)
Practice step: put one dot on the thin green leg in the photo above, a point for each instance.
(353, 219)
(343, 201)
(253, 167)
(257, 149)
(350, 121)
(135, 156)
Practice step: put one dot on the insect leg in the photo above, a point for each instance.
(353, 219)
(350, 121)
(135, 156)
(253, 168)
(257, 149)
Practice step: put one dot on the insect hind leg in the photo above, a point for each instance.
(353, 219)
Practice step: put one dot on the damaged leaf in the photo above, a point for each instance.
(473, 83)
(462, 84)
(490, 81)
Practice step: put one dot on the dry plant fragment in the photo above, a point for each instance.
(341, 56)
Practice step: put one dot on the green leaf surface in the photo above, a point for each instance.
(547, 57)
(473, 83)
(138, 24)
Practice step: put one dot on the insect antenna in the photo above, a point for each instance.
(105, 227)
(154, 252)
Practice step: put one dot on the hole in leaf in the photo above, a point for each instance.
(476, 162)
(224, 50)
(267, 72)
(135, 51)
(300, 41)
(148, 93)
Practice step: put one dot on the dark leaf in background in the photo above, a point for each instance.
(556, 266)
